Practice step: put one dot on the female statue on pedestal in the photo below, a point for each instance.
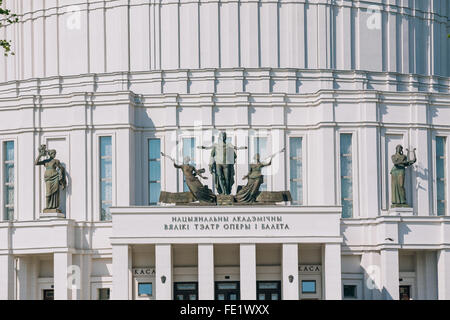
(398, 176)
(54, 176)
(255, 178)
(201, 193)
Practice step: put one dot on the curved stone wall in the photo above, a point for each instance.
(60, 38)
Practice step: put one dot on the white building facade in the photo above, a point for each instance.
(337, 83)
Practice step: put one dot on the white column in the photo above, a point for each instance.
(81, 276)
(123, 176)
(443, 263)
(121, 272)
(389, 274)
(290, 290)
(430, 275)
(33, 278)
(206, 272)
(332, 271)
(23, 278)
(6, 277)
(61, 263)
(163, 253)
(248, 271)
(86, 262)
(369, 163)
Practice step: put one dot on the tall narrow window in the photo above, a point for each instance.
(154, 170)
(188, 151)
(105, 177)
(346, 175)
(440, 175)
(296, 170)
(260, 147)
(9, 180)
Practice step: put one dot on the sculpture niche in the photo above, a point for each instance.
(54, 177)
(223, 159)
(401, 162)
(200, 192)
(250, 192)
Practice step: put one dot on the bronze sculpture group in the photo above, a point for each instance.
(223, 159)
(221, 166)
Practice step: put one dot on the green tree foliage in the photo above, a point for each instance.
(6, 18)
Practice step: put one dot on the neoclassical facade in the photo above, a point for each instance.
(339, 84)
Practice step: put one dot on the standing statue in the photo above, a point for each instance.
(250, 192)
(398, 176)
(223, 158)
(54, 176)
(201, 193)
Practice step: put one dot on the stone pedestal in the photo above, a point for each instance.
(225, 200)
(401, 211)
(52, 214)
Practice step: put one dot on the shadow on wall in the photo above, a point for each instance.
(64, 194)
(422, 174)
(403, 230)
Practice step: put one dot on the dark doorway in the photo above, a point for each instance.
(405, 292)
(48, 294)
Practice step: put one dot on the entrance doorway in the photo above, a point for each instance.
(405, 292)
(268, 290)
(227, 291)
(186, 291)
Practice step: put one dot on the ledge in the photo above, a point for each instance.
(234, 209)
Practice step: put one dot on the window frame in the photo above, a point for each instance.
(103, 288)
(146, 283)
(160, 159)
(446, 137)
(341, 177)
(355, 296)
(101, 283)
(355, 171)
(4, 185)
(97, 174)
(353, 280)
(144, 279)
(3, 179)
(303, 136)
(308, 292)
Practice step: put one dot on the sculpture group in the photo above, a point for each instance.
(221, 166)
